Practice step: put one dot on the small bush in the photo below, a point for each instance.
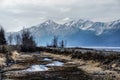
(3, 49)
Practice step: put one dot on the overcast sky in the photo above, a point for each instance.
(14, 14)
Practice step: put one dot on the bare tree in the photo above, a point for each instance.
(55, 41)
(62, 44)
(18, 39)
(10, 39)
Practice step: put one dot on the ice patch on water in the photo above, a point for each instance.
(37, 68)
(34, 68)
(47, 59)
(56, 63)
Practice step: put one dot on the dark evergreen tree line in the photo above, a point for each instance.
(28, 43)
(2, 37)
(25, 41)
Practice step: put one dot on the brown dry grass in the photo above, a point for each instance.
(56, 56)
(22, 60)
(2, 60)
(15, 55)
(21, 57)
(90, 66)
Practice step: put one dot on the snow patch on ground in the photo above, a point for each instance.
(47, 59)
(34, 68)
(37, 68)
(56, 63)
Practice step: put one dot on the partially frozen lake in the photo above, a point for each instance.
(106, 48)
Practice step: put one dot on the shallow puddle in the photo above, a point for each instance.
(56, 63)
(34, 68)
(47, 59)
(37, 68)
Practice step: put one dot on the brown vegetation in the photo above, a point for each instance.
(2, 60)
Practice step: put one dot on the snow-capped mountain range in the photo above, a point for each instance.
(78, 32)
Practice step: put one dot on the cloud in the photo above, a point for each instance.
(66, 19)
(64, 10)
(14, 14)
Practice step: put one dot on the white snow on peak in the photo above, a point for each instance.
(51, 27)
(47, 22)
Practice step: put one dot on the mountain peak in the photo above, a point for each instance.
(78, 32)
(81, 20)
(49, 21)
(117, 21)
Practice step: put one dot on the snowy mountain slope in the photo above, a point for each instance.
(78, 32)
